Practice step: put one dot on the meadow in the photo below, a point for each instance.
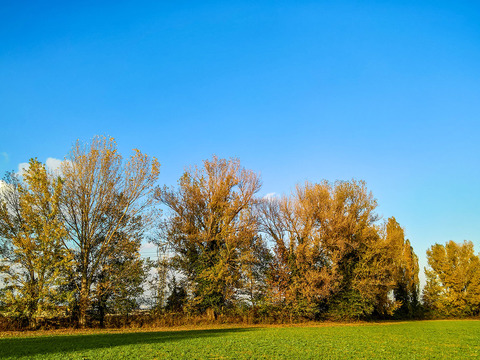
(402, 340)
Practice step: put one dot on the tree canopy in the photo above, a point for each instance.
(70, 246)
(212, 229)
(35, 262)
(453, 280)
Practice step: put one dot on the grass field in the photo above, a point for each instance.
(407, 340)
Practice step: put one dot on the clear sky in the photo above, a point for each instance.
(385, 91)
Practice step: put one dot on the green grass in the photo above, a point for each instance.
(408, 340)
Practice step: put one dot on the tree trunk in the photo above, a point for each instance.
(32, 304)
(102, 313)
(84, 302)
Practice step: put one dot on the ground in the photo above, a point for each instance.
(458, 339)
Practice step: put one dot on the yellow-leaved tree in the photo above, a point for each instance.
(453, 280)
(36, 264)
(103, 200)
(328, 252)
(213, 232)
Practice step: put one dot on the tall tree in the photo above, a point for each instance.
(328, 254)
(35, 262)
(300, 277)
(407, 286)
(102, 194)
(212, 229)
(453, 280)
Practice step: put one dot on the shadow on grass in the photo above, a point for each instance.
(34, 346)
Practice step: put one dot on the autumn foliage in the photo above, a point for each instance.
(70, 247)
(453, 280)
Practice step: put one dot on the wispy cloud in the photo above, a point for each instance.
(4, 156)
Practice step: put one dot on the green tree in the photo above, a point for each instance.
(453, 280)
(177, 297)
(212, 230)
(35, 262)
(119, 281)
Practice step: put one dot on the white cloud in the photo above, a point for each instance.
(5, 156)
(270, 196)
(22, 167)
(53, 164)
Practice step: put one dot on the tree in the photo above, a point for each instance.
(300, 276)
(407, 286)
(101, 195)
(212, 230)
(177, 297)
(453, 280)
(328, 255)
(35, 262)
(118, 283)
(255, 267)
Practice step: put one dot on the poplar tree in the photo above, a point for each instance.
(407, 285)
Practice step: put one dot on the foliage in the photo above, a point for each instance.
(157, 283)
(255, 266)
(102, 195)
(70, 246)
(407, 285)
(119, 281)
(453, 280)
(35, 262)
(327, 251)
(177, 298)
(212, 230)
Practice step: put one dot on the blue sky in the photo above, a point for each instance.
(385, 91)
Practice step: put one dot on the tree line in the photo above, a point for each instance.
(70, 244)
